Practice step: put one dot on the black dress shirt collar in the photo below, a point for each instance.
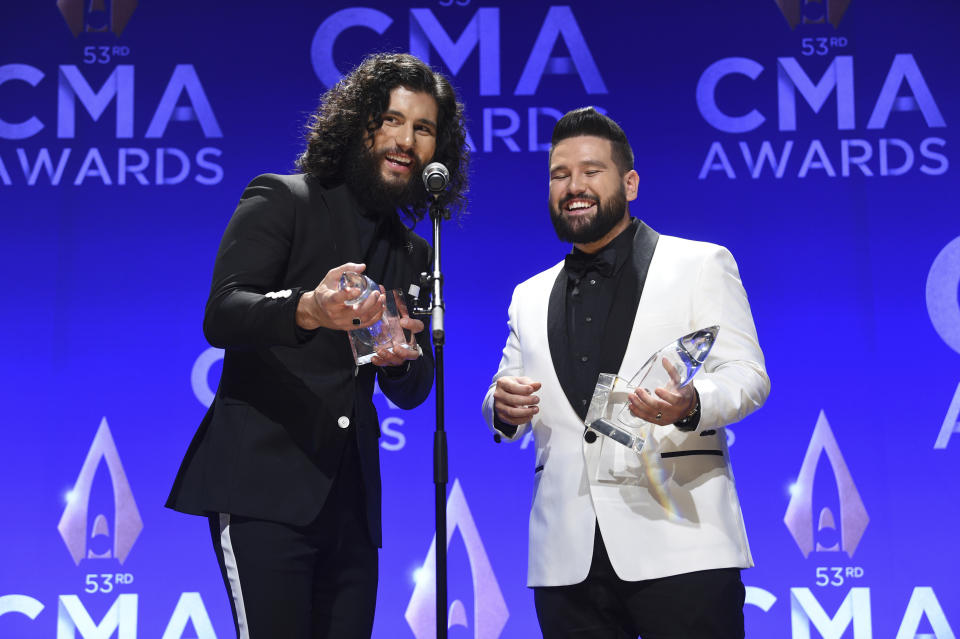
(608, 260)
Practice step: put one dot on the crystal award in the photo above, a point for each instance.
(386, 334)
(672, 368)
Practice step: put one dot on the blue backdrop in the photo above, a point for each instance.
(812, 138)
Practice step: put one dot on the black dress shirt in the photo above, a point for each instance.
(590, 295)
(593, 281)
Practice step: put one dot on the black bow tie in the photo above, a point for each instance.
(578, 263)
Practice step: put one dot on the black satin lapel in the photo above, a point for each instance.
(620, 321)
(345, 239)
(644, 245)
(557, 336)
(623, 312)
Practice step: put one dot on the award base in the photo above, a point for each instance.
(671, 368)
(609, 399)
(387, 334)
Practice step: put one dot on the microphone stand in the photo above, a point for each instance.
(436, 311)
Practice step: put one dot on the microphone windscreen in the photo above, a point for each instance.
(436, 177)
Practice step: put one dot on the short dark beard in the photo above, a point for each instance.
(608, 215)
(362, 176)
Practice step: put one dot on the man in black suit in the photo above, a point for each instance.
(286, 462)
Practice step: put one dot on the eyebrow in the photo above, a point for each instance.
(404, 115)
(587, 162)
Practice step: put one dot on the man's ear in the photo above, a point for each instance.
(631, 184)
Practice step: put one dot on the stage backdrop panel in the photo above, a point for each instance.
(814, 139)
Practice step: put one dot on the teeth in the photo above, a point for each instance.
(579, 204)
(399, 160)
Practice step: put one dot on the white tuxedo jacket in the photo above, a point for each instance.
(675, 509)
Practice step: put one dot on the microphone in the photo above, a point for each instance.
(436, 177)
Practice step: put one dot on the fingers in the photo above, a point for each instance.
(329, 287)
(398, 356)
(340, 296)
(663, 406)
(680, 397)
(326, 305)
(331, 280)
(644, 405)
(672, 372)
(349, 266)
(514, 400)
(413, 325)
(650, 408)
(366, 313)
(369, 310)
(518, 385)
(386, 358)
(361, 315)
(514, 415)
(345, 317)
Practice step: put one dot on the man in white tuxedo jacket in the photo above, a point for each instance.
(627, 545)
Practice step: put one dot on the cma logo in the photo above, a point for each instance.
(75, 526)
(800, 512)
(813, 11)
(791, 79)
(855, 613)
(120, 620)
(489, 608)
(943, 306)
(71, 86)
(482, 33)
(91, 16)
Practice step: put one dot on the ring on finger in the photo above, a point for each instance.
(659, 416)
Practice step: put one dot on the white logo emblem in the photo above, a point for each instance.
(944, 309)
(489, 609)
(74, 524)
(799, 517)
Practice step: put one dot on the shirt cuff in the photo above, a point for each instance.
(508, 430)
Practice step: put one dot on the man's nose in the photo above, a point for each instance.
(576, 184)
(404, 137)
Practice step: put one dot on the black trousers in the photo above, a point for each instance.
(707, 604)
(303, 582)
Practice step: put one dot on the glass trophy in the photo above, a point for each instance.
(672, 368)
(386, 333)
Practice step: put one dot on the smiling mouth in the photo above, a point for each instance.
(398, 160)
(579, 206)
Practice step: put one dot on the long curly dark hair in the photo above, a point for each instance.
(354, 108)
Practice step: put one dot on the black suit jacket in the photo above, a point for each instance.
(270, 445)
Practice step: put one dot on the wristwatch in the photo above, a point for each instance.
(690, 421)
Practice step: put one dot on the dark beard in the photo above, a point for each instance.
(362, 175)
(608, 214)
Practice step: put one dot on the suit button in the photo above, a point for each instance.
(590, 436)
(343, 421)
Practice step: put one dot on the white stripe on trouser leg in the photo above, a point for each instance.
(233, 576)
